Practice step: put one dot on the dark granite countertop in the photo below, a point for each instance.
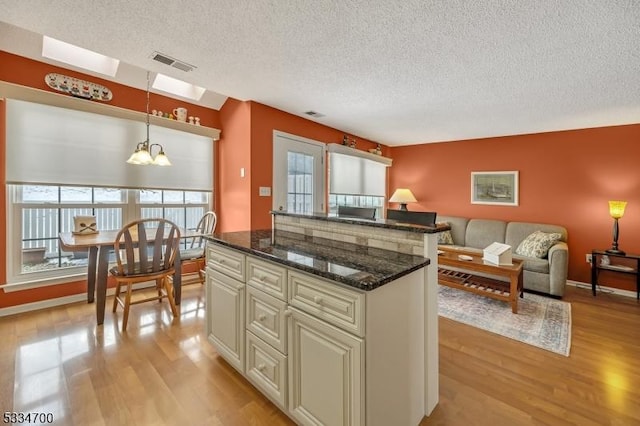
(377, 223)
(355, 265)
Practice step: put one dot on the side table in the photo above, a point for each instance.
(597, 266)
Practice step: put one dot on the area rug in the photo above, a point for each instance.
(541, 321)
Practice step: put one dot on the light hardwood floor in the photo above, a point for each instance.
(57, 361)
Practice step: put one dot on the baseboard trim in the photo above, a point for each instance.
(612, 290)
(50, 303)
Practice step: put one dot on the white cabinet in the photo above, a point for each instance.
(324, 352)
(226, 261)
(268, 277)
(328, 301)
(266, 322)
(225, 304)
(266, 368)
(266, 318)
(326, 373)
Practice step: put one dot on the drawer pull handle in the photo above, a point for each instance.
(221, 260)
(318, 300)
(261, 367)
(262, 317)
(261, 278)
(287, 313)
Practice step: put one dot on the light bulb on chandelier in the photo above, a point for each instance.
(142, 154)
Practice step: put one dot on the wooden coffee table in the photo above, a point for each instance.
(464, 278)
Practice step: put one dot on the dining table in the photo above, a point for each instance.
(99, 245)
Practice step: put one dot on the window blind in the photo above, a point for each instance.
(53, 145)
(356, 176)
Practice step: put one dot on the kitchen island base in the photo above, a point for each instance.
(350, 357)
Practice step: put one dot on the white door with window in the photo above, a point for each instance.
(298, 174)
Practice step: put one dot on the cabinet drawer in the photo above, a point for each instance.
(266, 319)
(268, 277)
(337, 305)
(227, 261)
(267, 369)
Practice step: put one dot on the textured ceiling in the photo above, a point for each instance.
(397, 72)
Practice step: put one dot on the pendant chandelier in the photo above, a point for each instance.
(142, 154)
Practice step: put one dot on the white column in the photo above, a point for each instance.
(431, 324)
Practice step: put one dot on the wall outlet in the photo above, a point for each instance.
(588, 257)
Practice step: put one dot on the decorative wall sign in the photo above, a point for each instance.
(76, 87)
(498, 188)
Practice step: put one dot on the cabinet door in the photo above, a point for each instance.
(326, 373)
(225, 317)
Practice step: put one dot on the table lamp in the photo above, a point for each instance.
(616, 210)
(402, 196)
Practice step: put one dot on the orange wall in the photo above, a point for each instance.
(566, 178)
(26, 72)
(234, 152)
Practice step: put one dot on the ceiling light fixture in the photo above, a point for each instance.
(78, 56)
(142, 154)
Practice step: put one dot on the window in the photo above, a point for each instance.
(184, 208)
(38, 213)
(54, 174)
(336, 200)
(356, 179)
(300, 182)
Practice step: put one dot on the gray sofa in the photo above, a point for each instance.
(547, 275)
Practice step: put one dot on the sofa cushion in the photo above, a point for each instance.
(482, 232)
(534, 264)
(537, 244)
(445, 237)
(518, 231)
(458, 227)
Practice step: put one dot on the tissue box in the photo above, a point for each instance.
(84, 225)
(498, 254)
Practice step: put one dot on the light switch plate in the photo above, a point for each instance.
(265, 191)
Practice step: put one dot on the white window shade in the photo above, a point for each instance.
(353, 175)
(47, 144)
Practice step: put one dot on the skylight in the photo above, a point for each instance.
(178, 87)
(78, 56)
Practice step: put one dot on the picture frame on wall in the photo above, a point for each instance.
(495, 188)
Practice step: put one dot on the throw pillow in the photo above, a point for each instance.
(445, 237)
(538, 244)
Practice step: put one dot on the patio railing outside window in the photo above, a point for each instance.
(336, 200)
(40, 212)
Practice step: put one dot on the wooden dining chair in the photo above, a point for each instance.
(145, 250)
(193, 253)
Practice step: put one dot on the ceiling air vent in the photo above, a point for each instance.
(168, 60)
(314, 114)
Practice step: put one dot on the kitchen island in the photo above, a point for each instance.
(333, 332)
